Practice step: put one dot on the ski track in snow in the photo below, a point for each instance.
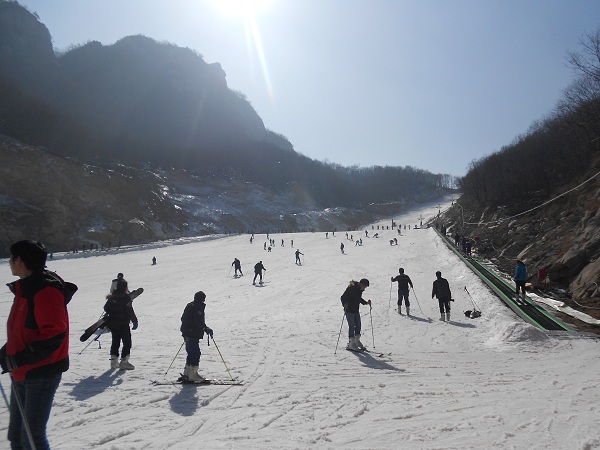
(492, 382)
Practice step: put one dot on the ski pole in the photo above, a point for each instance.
(222, 359)
(339, 334)
(390, 302)
(415, 294)
(93, 340)
(372, 331)
(474, 304)
(174, 358)
(4, 396)
(23, 416)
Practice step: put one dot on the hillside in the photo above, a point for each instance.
(72, 205)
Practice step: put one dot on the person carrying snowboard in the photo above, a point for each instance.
(119, 309)
(403, 282)
(298, 257)
(258, 270)
(441, 290)
(351, 301)
(238, 266)
(193, 327)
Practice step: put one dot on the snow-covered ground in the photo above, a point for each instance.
(492, 382)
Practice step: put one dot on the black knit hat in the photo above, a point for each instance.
(199, 296)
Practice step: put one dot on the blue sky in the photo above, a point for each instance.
(432, 84)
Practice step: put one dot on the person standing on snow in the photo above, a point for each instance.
(441, 290)
(351, 301)
(238, 266)
(403, 282)
(36, 352)
(193, 327)
(520, 278)
(298, 257)
(119, 308)
(258, 270)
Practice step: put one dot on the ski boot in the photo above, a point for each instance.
(358, 343)
(125, 364)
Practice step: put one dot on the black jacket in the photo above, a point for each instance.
(352, 298)
(403, 281)
(441, 289)
(193, 322)
(119, 308)
(258, 268)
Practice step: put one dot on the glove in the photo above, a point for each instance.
(209, 331)
(7, 362)
(369, 302)
(135, 325)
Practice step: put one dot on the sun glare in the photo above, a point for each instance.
(242, 8)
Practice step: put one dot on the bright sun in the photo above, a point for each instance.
(242, 8)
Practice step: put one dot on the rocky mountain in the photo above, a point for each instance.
(72, 205)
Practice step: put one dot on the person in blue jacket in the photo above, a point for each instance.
(520, 277)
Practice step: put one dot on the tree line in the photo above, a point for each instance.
(554, 151)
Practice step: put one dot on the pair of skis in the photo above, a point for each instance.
(379, 355)
(214, 382)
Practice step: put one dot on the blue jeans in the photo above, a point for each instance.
(192, 347)
(403, 294)
(353, 324)
(36, 397)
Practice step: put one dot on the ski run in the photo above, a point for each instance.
(490, 382)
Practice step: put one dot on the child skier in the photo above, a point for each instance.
(119, 308)
(193, 327)
(351, 301)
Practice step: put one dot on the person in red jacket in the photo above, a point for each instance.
(37, 349)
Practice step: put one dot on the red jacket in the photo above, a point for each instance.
(38, 326)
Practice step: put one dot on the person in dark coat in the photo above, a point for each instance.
(258, 270)
(298, 262)
(351, 301)
(238, 266)
(441, 290)
(119, 308)
(403, 282)
(193, 327)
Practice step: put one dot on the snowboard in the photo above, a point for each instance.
(101, 323)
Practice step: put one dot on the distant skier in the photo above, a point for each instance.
(154, 260)
(342, 248)
(238, 266)
(298, 257)
(441, 290)
(520, 278)
(119, 309)
(403, 290)
(351, 301)
(193, 327)
(258, 270)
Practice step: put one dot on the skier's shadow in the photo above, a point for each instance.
(90, 386)
(185, 402)
(375, 362)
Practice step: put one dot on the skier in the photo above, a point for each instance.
(351, 301)
(119, 308)
(403, 282)
(441, 290)
(520, 277)
(154, 260)
(298, 257)
(258, 270)
(193, 327)
(238, 266)
(342, 248)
